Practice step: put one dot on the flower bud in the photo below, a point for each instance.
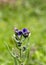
(24, 48)
(19, 44)
(16, 31)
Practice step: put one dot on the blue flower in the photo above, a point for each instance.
(25, 32)
(19, 33)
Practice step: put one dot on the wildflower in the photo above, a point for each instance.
(25, 32)
(19, 33)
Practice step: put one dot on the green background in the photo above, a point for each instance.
(29, 14)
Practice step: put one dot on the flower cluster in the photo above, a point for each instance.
(24, 32)
(20, 36)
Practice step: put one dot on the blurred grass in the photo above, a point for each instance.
(30, 14)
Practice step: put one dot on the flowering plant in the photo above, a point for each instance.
(22, 46)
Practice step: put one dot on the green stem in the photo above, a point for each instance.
(15, 61)
(20, 56)
(20, 53)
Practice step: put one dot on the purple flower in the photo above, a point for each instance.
(19, 33)
(25, 32)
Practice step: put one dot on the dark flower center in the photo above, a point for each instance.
(25, 30)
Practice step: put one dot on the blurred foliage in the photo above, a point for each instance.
(25, 13)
